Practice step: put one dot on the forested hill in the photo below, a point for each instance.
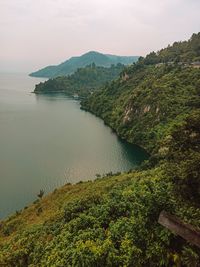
(83, 82)
(148, 99)
(72, 64)
(182, 52)
(113, 220)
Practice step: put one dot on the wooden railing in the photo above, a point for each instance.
(174, 224)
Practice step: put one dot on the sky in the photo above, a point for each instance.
(37, 33)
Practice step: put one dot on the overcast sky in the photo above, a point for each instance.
(36, 33)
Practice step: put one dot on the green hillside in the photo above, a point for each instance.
(147, 99)
(185, 52)
(83, 82)
(72, 64)
(113, 220)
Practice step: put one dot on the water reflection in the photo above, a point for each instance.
(52, 97)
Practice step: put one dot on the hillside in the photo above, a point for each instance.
(72, 64)
(147, 99)
(83, 82)
(113, 220)
(182, 52)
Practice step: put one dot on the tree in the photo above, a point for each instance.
(41, 193)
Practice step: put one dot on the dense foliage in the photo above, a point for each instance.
(71, 65)
(147, 100)
(182, 154)
(113, 220)
(182, 52)
(82, 83)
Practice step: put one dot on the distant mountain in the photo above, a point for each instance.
(83, 82)
(72, 64)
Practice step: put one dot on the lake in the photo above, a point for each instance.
(47, 141)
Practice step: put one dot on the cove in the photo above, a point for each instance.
(47, 141)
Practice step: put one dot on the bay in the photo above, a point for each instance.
(47, 141)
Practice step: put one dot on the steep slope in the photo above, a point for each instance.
(185, 52)
(71, 65)
(147, 99)
(113, 221)
(83, 82)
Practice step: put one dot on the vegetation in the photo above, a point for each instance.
(182, 52)
(146, 100)
(71, 65)
(41, 193)
(113, 220)
(82, 83)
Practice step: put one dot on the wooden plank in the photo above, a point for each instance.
(186, 231)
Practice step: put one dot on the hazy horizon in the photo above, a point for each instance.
(35, 34)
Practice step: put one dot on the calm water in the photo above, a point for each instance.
(47, 141)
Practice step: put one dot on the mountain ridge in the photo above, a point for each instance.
(72, 64)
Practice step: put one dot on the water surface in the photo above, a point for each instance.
(47, 141)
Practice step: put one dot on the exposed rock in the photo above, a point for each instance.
(127, 117)
(146, 109)
(193, 135)
(157, 110)
(125, 77)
